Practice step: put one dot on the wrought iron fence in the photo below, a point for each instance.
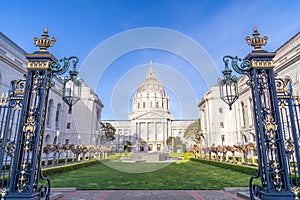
(289, 107)
(10, 115)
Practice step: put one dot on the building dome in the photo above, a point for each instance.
(150, 97)
(151, 84)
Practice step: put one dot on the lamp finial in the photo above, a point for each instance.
(44, 42)
(256, 41)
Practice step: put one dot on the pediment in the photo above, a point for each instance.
(152, 115)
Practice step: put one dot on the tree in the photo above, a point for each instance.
(193, 132)
(108, 130)
(127, 146)
(169, 140)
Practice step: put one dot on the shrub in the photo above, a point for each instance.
(66, 168)
(239, 168)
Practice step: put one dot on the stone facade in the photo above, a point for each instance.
(239, 122)
(150, 123)
(61, 126)
(216, 120)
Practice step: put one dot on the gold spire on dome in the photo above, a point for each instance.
(256, 41)
(151, 73)
(44, 42)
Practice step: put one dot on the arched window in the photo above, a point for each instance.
(49, 112)
(250, 118)
(287, 82)
(298, 77)
(245, 138)
(98, 115)
(1, 84)
(243, 117)
(253, 137)
(47, 139)
(57, 116)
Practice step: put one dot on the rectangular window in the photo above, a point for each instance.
(222, 124)
(68, 125)
(67, 141)
(220, 110)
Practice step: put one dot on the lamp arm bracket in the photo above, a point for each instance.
(60, 67)
(240, 66)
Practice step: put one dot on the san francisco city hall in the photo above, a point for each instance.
(150, 123)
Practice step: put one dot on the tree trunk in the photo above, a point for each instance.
(66, 157)
(245, 154)
(46, 160)
(58, 157)
(73, 157)
(53, 158)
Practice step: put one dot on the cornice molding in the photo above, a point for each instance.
(12, 64)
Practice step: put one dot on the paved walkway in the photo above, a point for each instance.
(147, 195)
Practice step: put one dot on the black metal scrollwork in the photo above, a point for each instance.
(240, 66)
(60, 67)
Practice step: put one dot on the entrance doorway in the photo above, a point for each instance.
(158, 147)
(150, 147)
(142, 147)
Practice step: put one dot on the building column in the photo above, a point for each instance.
(148, 131)
(164, 135)
(155, 129)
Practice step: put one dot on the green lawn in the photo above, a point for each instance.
(181, 175)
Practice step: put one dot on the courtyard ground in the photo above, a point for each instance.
(179, 175)
(148, 195)
(180, 180)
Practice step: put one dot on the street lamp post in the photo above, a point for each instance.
(78, 139)
(272, 160)
(57, 136)
(223, 139)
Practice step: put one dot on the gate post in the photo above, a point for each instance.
(25, 171)
(258, 66)
(27, 156)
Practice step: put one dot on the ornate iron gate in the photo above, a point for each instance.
(289, 108)
(277, 178)
(10, 116)
(273, 171)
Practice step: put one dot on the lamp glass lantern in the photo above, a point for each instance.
(228, 87)
(72, 89)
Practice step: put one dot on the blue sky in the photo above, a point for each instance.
(80, 26)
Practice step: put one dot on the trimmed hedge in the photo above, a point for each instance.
(239, 168)
(61, 160)
(65, 168)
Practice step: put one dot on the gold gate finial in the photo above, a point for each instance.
(256, 41)
(44, 42)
